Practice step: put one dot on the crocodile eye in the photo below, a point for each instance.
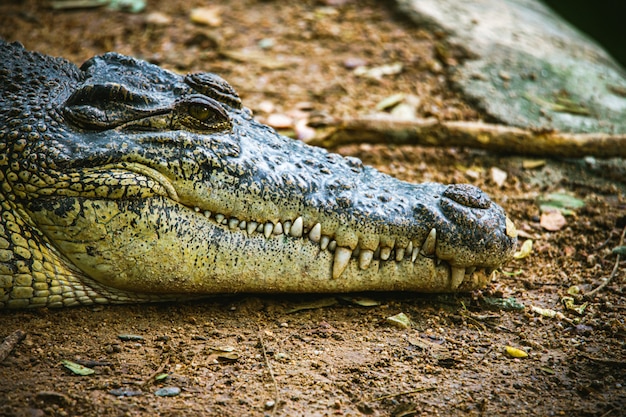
(199, 111)
(202, 113)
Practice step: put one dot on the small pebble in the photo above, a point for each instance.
(157, 19)
(167, 392)
(269, 404)
(353, 62)
(279, 121)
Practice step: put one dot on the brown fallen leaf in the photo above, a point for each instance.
(552, 221)
(209, 16)
(498, 176)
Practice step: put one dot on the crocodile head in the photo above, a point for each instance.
(122, 181)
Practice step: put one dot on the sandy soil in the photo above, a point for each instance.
(250, 355)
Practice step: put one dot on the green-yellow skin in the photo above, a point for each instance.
(123, 182)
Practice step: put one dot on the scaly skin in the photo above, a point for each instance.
(124, 182)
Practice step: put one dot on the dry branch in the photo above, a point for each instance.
(495, 138)
(9, 343)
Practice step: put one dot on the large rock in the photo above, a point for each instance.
(528, 67)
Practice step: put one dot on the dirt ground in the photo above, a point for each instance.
(253, 355)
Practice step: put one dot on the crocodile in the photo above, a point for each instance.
(124, 182)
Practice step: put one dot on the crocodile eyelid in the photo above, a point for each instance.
(215, 87)
(93, 94)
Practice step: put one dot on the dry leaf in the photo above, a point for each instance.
(209, 16)
(400, 320)
(378, 73)
(498, 176)
(525, 250)
(552, 221)
(533, 163)
(515, 352)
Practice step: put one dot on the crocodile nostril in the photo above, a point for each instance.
(468, 195)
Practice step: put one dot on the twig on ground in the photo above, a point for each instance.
(397, 394)
(606, 242)
(497, 138)
(271, 372)
(165, 362)
(591, 294)
(9, 343)
(607, 361)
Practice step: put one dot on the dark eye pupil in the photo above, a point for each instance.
(200, 112)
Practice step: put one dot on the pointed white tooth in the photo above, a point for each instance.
(260, 228)
(332, 245)
(414, 254)
(385, 253)
(242, 225)
(251, 227)
(456, 276)
(278, 228)
(207, 213)
(399, 254)
(268, 229)
(316, 233)
(296, 228)
(365, 258)
(219, 217)
(428, 248)
(342, 258)
(233, 223)
(196, 209)
(409, 248)
(324, 241)
(287, 227)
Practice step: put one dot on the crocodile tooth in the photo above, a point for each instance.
(278, 228)
(219, 217)
(242, 225)
(251, 227)
(342, 258)
(409, 248)
(316, 233)
(414, 254)
(287, 227)
(399, 254)
(207, 214)
(457, 274)
(196, 209)
(385, 253)
(324, 241)
(365, 258)
(268, 229)
(260, 228)
(332, 245)
(233, 223)
(297, 227)
(428, 248)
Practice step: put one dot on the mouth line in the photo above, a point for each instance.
(366, 258)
